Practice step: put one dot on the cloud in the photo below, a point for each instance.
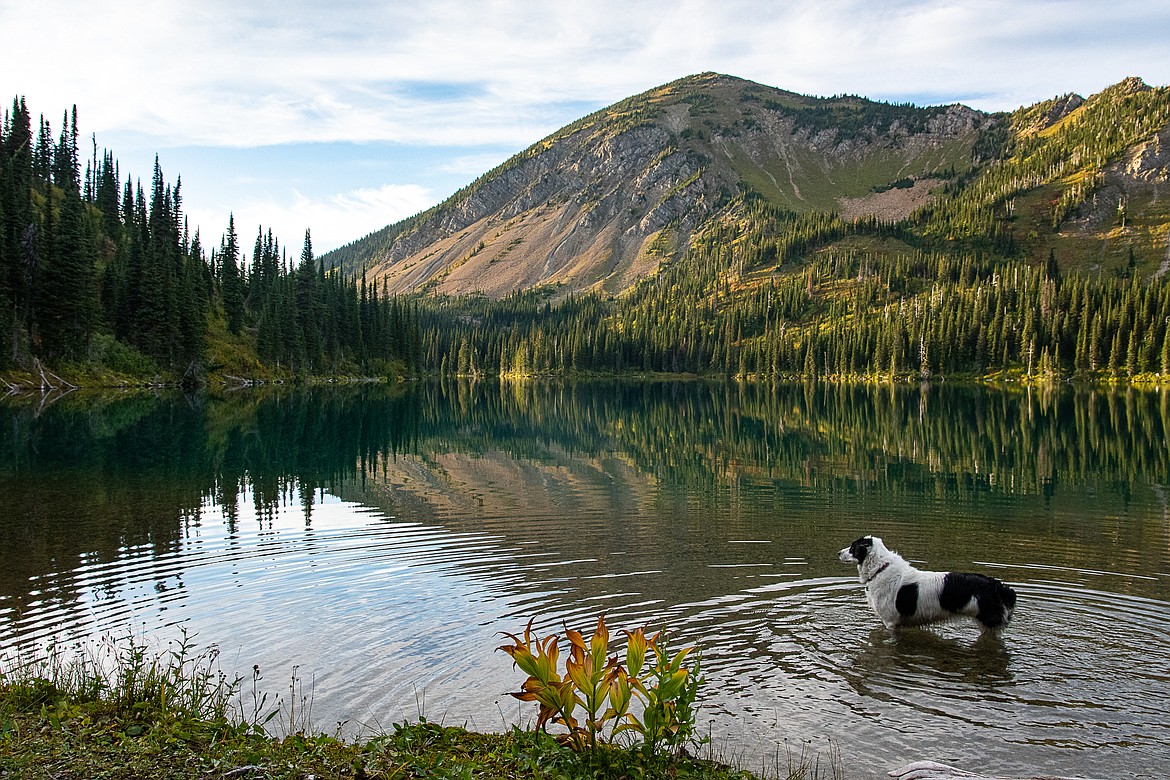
(365, 210)
(258, 73)
(473, 165)
(334, 220)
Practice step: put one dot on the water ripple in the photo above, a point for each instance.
(386, 619)
(1077, 668)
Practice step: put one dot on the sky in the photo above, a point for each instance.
(344, 116)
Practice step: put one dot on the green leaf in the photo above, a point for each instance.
(635, 651)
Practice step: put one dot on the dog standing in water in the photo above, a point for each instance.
(902, 595)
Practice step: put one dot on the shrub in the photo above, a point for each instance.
(596, 691)
(121, 358)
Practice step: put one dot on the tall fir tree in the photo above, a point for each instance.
(231, 280)
(66, 303)
(18, 232)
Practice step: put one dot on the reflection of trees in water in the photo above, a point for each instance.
(901, 438)
(92, 475)
(896, 437)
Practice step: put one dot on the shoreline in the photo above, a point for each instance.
(45, 381)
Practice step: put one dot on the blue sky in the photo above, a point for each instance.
(346, 116)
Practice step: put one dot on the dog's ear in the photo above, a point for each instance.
(860, 548)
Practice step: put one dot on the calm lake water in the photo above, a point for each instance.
(377, 540)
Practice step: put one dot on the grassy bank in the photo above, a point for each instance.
(121, 711)
(63, 739)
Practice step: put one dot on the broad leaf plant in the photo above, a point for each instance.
(649, 697)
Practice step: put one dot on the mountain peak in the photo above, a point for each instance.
(1128, 86)
(606, 200)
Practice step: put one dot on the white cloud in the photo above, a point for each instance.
(334, 220)
(243, 74)
(365, 210)
(472, 165)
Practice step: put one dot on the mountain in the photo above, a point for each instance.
(612, 199)
(599, 203)
(718, 227)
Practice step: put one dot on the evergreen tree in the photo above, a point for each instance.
(18, 232)
(66, 302)
(231, 281)
(309, 306)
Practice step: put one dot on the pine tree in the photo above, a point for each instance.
(66, 301)
(309, 305)
(1165, 365)
(231, 281)
(18, 233)
(194, 305)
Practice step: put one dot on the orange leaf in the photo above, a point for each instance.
(575, 638)
(599, 644)
(635, 651)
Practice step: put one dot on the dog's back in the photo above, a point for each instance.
(984, 598)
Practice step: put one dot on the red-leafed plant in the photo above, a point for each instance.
(654, 703)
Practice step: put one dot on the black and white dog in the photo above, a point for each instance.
(904, 596)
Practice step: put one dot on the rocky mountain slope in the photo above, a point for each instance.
(600, 203)
(606, 201)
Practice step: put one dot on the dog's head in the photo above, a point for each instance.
(857, 552)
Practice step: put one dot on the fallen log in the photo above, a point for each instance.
(240, 381)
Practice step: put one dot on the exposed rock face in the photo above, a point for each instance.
(602, 203)
(575, 214)
(1150, 161)
(1133, 184)
(1053, 111)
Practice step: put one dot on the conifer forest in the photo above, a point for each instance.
(97, 270)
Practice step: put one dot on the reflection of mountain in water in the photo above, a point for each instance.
(854, 437)
(93, 475)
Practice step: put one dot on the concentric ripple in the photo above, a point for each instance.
(1078, 681)
(382, 619)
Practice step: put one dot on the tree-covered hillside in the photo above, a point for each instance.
(869, 305)
(1041, 253)
(1048, 259)
(99, 276)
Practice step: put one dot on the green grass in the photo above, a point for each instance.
(119, 709)
(820, 189)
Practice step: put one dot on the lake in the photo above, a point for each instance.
(375, 541)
